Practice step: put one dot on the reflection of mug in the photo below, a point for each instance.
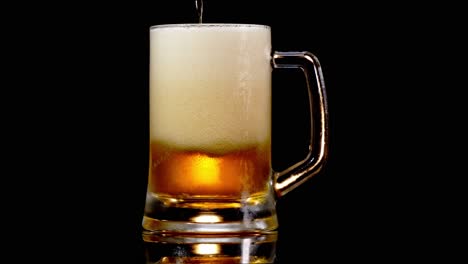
(210, 128)
(210, 248)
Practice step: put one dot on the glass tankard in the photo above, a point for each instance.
(210, 128)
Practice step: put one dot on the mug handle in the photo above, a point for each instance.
(296, 174)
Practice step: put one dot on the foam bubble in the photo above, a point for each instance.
(210, 85)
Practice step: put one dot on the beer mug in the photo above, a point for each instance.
(210, 128)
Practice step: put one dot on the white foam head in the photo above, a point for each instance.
(210, 85)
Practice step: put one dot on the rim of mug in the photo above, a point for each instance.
(209, 25)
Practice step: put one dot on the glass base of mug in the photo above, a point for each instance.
(209, 214)
(210, 248)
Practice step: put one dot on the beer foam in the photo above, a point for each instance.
(210, 85)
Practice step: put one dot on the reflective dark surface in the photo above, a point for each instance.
(241, 248)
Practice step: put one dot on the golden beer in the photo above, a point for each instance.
(185, 173)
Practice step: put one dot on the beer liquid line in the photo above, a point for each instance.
(199, 6)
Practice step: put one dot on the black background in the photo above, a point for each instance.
(85, 130)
